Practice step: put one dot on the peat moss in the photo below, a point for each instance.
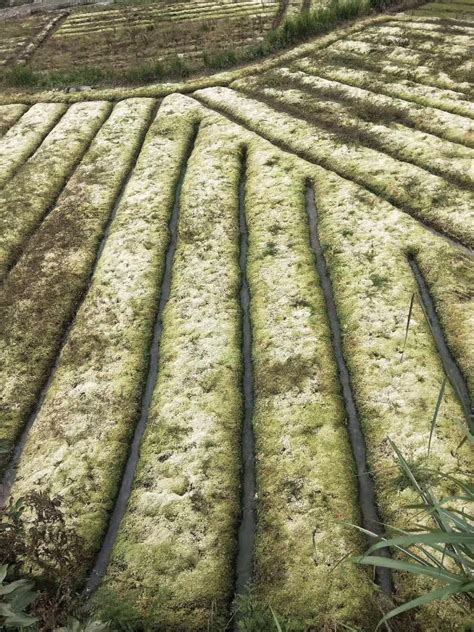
(41, 293)
(57, 156)
(439, 157)
(305, 474)
(395, 399)
(9, 115)
(22, 139)
(173, 558)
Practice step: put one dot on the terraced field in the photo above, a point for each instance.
(203, 311)
(120, 38)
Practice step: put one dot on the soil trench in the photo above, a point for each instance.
(247, 528)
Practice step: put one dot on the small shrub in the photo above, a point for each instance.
(220, 59)
(35, 542)
(146, 72)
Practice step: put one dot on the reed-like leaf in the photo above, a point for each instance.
(436, 412)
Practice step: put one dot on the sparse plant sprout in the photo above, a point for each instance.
(407, 328)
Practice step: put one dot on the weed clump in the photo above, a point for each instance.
(36, 543)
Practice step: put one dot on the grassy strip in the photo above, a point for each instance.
(453, 127)
(132, 15)
(20, 210)
(402, 64)
(366, 240)
(407, 90)
(436, 156)
(305, 471)
(151, 26)
(39, 296)
(9, 115)
(429, 198)
(161, 90)
(21, 141)
(102, 368)
(370, 105)
(172, 566)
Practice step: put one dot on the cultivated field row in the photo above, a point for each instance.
(204, 307)
(102, 22)
(16, 36)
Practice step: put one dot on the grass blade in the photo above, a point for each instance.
(436, 595)
(410, 311)
(277, 623)
(436, 412)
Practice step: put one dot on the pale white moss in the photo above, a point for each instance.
(396, 61)
(428, 196)
(448, 100)
(22, 139)
(9, 115)
(404, 143)
(305, 472)
(418, 41)
(366, 240)
(453, 127)
(104, 380)
(412, 29)
(24, 199)
(179, 529)
(39, 294)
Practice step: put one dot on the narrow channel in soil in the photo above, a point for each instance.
(449, 363)
(103, 557)
(367, 500)
(10, 473)
(22, 248)
(246, 534)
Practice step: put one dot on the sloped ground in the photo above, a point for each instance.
(134, 39)
(327, 181)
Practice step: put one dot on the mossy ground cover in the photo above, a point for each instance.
(39, 295)
(21, 211)
(9, 114)
(84, 252)
(430, 198)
